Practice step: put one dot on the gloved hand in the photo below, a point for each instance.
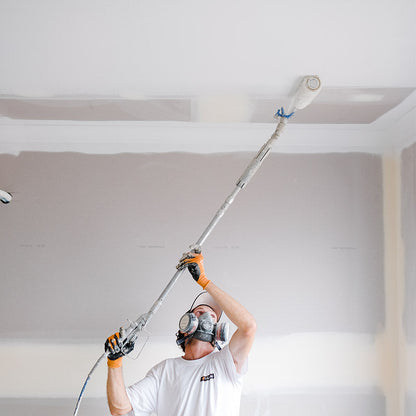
(195, 264)
(114, 346)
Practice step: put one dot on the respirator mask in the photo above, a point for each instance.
(203, 328)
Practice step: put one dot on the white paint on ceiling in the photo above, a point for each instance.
(390, 133)
(137, 48)
(332, 106)
(232, 61)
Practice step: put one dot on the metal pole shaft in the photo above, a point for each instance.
(156, 305)
(144, 319)
(250, 171)
(229, 200)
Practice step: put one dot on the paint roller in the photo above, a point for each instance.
(308, 89)
(5, 197)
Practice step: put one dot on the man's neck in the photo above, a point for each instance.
(196, 349)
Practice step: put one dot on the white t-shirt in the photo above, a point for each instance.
(209, 386)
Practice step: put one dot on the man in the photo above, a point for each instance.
(201, 382)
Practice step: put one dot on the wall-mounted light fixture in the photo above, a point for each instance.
(5, 197)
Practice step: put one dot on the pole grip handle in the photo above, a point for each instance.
(257, 161)
(254, 166)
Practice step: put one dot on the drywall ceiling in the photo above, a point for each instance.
(194, 61)
(134, 49)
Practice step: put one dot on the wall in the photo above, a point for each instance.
(310, 231)
(408, 173)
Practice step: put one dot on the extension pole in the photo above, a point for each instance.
(307, 90)
(142, 321)
(244, 179)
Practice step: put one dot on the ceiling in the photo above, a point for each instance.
(192, 61)
(332, 106)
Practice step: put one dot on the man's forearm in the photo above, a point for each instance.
(118, 401)
(242, 339)
(236, 312)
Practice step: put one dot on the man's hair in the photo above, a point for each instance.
(179, 337)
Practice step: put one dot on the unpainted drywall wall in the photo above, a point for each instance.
(408, 189)
(346, 403)
(93, 239)
(409, 238)
(302, 246)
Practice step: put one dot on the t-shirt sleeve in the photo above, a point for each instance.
(229, 365)
(143, 394)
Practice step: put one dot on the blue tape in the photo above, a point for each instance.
(281, 113)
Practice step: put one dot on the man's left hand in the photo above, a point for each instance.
(195, 264)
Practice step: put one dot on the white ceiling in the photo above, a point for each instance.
(332, 106)
(195, 61)
(140, 48)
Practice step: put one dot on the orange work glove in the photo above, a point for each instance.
(115, 350)
(195, 264)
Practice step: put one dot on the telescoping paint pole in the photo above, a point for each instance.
(308, 89)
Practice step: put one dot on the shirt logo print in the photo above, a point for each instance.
(208, 377)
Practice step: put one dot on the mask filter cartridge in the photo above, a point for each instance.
(188, 323)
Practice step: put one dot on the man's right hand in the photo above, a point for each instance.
(115, 349)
